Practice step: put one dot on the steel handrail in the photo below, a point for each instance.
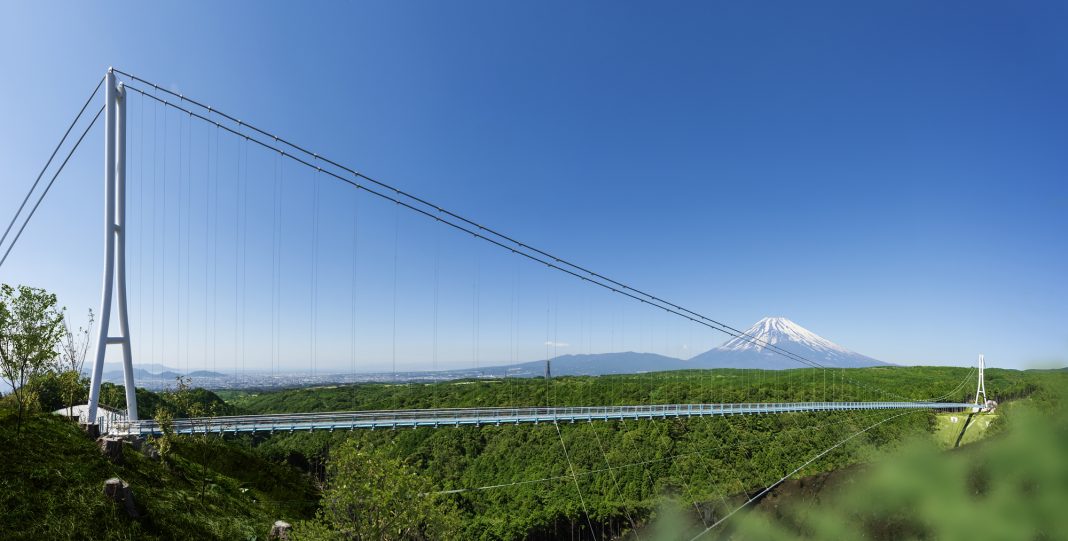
(502, 415)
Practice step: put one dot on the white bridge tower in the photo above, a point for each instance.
(985, 404)
(114, 249)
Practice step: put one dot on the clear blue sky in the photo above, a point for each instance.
(892, 176)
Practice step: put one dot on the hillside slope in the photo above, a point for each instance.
(51, 487)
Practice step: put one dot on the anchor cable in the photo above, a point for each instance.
(48, 187)
(49, 162)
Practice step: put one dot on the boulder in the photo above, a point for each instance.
(280, 531)
(119, 492)
(150, 451)
(111, 447)
(93, 430)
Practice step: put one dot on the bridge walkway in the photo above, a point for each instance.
(446, 417)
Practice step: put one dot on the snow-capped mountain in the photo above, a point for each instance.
(748, 351)
(752, 350)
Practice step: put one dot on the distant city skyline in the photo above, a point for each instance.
(891, 177)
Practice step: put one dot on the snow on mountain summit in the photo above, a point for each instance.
(752, 349)
(776, 330)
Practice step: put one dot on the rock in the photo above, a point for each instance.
(119, 491)
(280, 531)
(111, 447)
(115, 488)
(93, 430)
(136, 443)
(150, 451)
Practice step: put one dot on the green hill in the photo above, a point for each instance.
(53, 475)
(721, 385)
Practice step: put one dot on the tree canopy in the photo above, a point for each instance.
(370, 495)
(31, 327)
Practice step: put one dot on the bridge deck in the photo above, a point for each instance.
(391, 419)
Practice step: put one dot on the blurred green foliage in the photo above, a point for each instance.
(1012, 486)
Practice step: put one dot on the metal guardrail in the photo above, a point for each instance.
(392, 419)
(108, 422)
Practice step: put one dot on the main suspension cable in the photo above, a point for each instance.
(481, 233)
(471, 227)
(442, 210)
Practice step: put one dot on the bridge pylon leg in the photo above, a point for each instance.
(114, 283)
(980, 391)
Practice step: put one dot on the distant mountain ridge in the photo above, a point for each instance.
(595, 364)
(113, 372)
(749, 350)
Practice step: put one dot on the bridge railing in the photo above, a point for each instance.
(492, 416)
(108, 421)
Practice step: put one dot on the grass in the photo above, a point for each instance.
(53, 475)
(948, 427)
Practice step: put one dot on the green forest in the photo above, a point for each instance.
(600, 480)
(623, 471)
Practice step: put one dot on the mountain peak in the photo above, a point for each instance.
(753, 347)
(780, 331)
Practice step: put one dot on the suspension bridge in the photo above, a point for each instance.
(450, 417)
(115, 323)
